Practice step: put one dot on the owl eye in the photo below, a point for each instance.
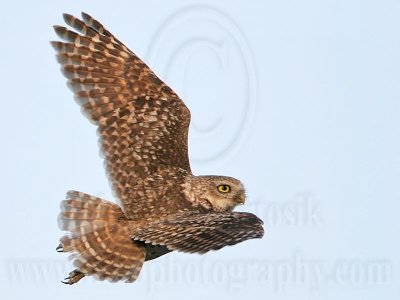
(224, 188)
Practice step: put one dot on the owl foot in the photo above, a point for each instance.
(73, 277)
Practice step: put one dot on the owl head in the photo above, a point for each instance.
(221, 192)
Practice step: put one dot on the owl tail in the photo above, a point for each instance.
(98, 239)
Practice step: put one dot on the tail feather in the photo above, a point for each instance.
(82, 213)
(99, 239)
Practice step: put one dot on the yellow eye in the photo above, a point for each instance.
(224, 188)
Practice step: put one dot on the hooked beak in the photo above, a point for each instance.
(240, 198)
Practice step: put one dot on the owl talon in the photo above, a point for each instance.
(60, 249)
(73, 277)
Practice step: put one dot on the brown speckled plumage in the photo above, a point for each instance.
(143, 127)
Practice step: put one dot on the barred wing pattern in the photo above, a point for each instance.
(142, 123)
(199, 233)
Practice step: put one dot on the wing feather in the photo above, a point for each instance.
(142, 123)
(200, 233)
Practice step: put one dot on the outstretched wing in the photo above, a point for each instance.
(191, 232)
(142, 123)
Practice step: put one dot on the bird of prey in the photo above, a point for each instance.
(143, 130)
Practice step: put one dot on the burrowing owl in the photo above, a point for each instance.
(143, 127)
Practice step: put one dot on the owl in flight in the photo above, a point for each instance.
(143, 130)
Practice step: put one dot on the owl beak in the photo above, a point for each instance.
(240, 199)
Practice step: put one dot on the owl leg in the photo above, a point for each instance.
(60, 248)
(73, 277)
